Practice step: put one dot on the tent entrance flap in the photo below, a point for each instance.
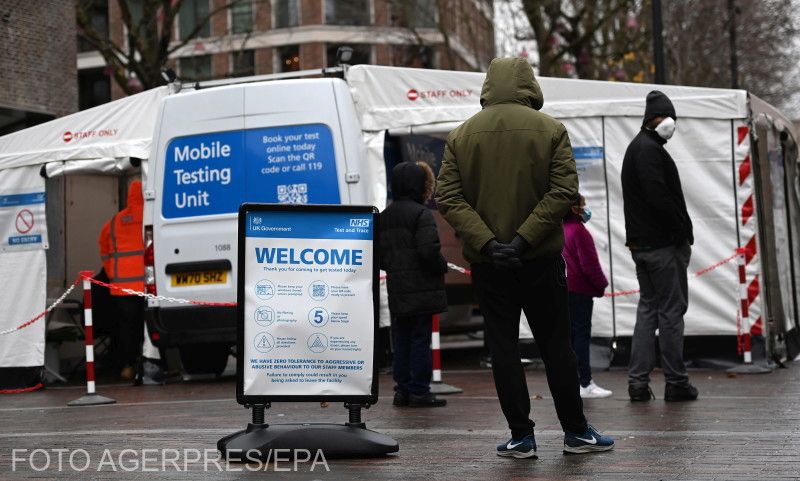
(107, 166)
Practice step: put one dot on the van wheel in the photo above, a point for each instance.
(204, 358)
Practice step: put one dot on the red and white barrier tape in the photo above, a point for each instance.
(43, 313)
(22, 389)
(699, 273)
(178, 300)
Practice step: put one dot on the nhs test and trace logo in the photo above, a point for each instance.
(359, 222)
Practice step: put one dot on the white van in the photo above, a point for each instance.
(290, 141)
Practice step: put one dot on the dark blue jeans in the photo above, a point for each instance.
(413, 361)
(580, 315)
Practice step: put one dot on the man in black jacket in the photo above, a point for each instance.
(659, 234)
(415, 268)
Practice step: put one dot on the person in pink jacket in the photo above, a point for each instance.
(585, 281)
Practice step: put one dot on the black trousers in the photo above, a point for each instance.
(129, 328)
(580, 314)
(413, 363)
(539, 288)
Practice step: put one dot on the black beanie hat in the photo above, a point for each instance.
(658, 104)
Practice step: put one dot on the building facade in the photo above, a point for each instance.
(255, 37)
(36, 79)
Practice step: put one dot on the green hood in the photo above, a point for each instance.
(511, 80)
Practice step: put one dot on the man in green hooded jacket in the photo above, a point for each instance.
(507, 180)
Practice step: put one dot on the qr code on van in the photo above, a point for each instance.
(293, 194)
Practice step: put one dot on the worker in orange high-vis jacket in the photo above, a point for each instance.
(122, 251)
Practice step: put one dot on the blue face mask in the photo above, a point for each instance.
(586, 214)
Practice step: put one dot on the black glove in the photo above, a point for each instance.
(519, 245)
(503, 256)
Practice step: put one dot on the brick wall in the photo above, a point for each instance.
(311, 12)
(263, 61)
(312, 55)
(38, 47)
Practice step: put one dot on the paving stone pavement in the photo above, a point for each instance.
(742, 428)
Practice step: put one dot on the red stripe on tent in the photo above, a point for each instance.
(742, 133)
(747, 209)
(744, 169)
(758, 328)
(753, 290)
(750, 250)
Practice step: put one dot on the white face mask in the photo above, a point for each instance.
(666, 128)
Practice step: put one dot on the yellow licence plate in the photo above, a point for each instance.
(199, 278)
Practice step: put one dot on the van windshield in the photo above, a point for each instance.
(213, 173)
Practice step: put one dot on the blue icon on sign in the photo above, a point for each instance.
(264, 316)
(265, 289)
(317, 342)
(318, 290)
(264, 342)
(318, 317)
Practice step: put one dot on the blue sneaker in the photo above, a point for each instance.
(523, 448)
(589, 442)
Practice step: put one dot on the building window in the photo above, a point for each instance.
(195, 69)
(416, 56)
(287, 13)
(361, 54)
(289, 58)
(242, 17)
(347, 12)
(414, 13)
(192, 14)
(97, 10)
(136, 8)
(94, 88)
(244, 63)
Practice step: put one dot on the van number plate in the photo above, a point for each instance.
(199, 278)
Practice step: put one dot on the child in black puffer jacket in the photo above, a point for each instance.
(415, 268)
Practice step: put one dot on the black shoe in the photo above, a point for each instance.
(427, 400)
(400, 399)
(640, 393)
(680, 392)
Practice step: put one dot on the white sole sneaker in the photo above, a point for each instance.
(593, 391)
(516, 454)
(588, 448)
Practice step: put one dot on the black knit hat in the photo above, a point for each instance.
(658, 104)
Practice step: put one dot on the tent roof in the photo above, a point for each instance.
(122, 128)
(392, 97)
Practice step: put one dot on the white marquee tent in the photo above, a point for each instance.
(735, 196)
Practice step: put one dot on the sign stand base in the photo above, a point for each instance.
(91, 399)
(351, 440)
